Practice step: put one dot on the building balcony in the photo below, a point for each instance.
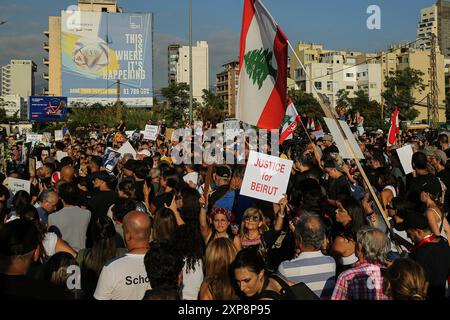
(47, 33)
(46, 61)
(46, 46)
(45, 76)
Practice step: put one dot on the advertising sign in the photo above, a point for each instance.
(102, 48)
(48, 108)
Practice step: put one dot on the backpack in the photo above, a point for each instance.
(299, 291)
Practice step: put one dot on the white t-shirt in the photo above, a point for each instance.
(192, 281)
(123, 278)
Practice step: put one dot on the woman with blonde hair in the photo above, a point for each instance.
(217, 284)
(252, 228)
(405, 280)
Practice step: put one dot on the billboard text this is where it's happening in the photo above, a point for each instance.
(102, 48)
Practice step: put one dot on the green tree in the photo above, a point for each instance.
(258, 64)
(176, 109)
(399, 90)
(212, 108)
(306, 104)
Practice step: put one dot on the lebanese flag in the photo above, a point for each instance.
(394, 130)
(262, 68)
(290, 122)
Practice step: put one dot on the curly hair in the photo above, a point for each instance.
(188, 241)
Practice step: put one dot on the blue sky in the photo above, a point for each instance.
(335, 24)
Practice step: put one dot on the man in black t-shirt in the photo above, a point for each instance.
(329, 146)
(105, 197)
(423, 181)
(19, 244)
(431, 252)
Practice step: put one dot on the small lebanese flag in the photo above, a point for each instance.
(290, 122)
(394, 130)
(262, 68)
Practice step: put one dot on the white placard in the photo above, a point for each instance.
(405, 155)
(192, 176)
(129, 133)
(151, 132)
(59, 136)
(127, 148)
(34, 138)
(15, 185)
(266, 177)
(351, 139)
(338, 138)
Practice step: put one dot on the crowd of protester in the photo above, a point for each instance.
(152, 229)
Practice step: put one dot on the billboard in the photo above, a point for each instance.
(99, 48)
(48, 108)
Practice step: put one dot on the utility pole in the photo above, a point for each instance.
(191, 90)
(434, 89)
(118, 108)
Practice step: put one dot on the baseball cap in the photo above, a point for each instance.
(415, 220)
(18, 237)
(327, 137)
(145, 152)
(223, 172)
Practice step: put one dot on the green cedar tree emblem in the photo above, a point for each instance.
(259, 65)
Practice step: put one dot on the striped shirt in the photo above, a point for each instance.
(314, 269)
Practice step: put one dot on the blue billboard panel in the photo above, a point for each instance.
(100, 48)
(48, 108)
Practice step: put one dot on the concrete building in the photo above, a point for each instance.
(200, 68)
(333, 71)
(227, 84)
(18, 78)
(419, 60)
(172, 58)
(53, 45)
(14, 105)
(435, 20)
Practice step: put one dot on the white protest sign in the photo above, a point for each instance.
(405, 155)
(34, 138)
(127, 148)
(60, 155)
(59, 136)
(129, 133)
(351, 139)
(15, 185)
(266, 177)
(150, 132)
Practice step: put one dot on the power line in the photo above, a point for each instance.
(368, 60)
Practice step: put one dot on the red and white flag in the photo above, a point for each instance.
(262, 68)
(290, 122)
(394, 130)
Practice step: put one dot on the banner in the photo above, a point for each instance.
(14, 185)
(266, 177)
(34, 138)
(48, 108)
(102, 48)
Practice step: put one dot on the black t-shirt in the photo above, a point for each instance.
(101, 201)
(444, 175)
(435, 260)
(23, 287)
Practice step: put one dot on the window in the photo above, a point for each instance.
(349, 75)
(373, 86)
(358, 74)
(318, 85)
(350, 87)
(329, 71)
(104, 9)
(329, 85)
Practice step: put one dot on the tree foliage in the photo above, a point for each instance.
(211, 109)
(399, 90)
(306, 104)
